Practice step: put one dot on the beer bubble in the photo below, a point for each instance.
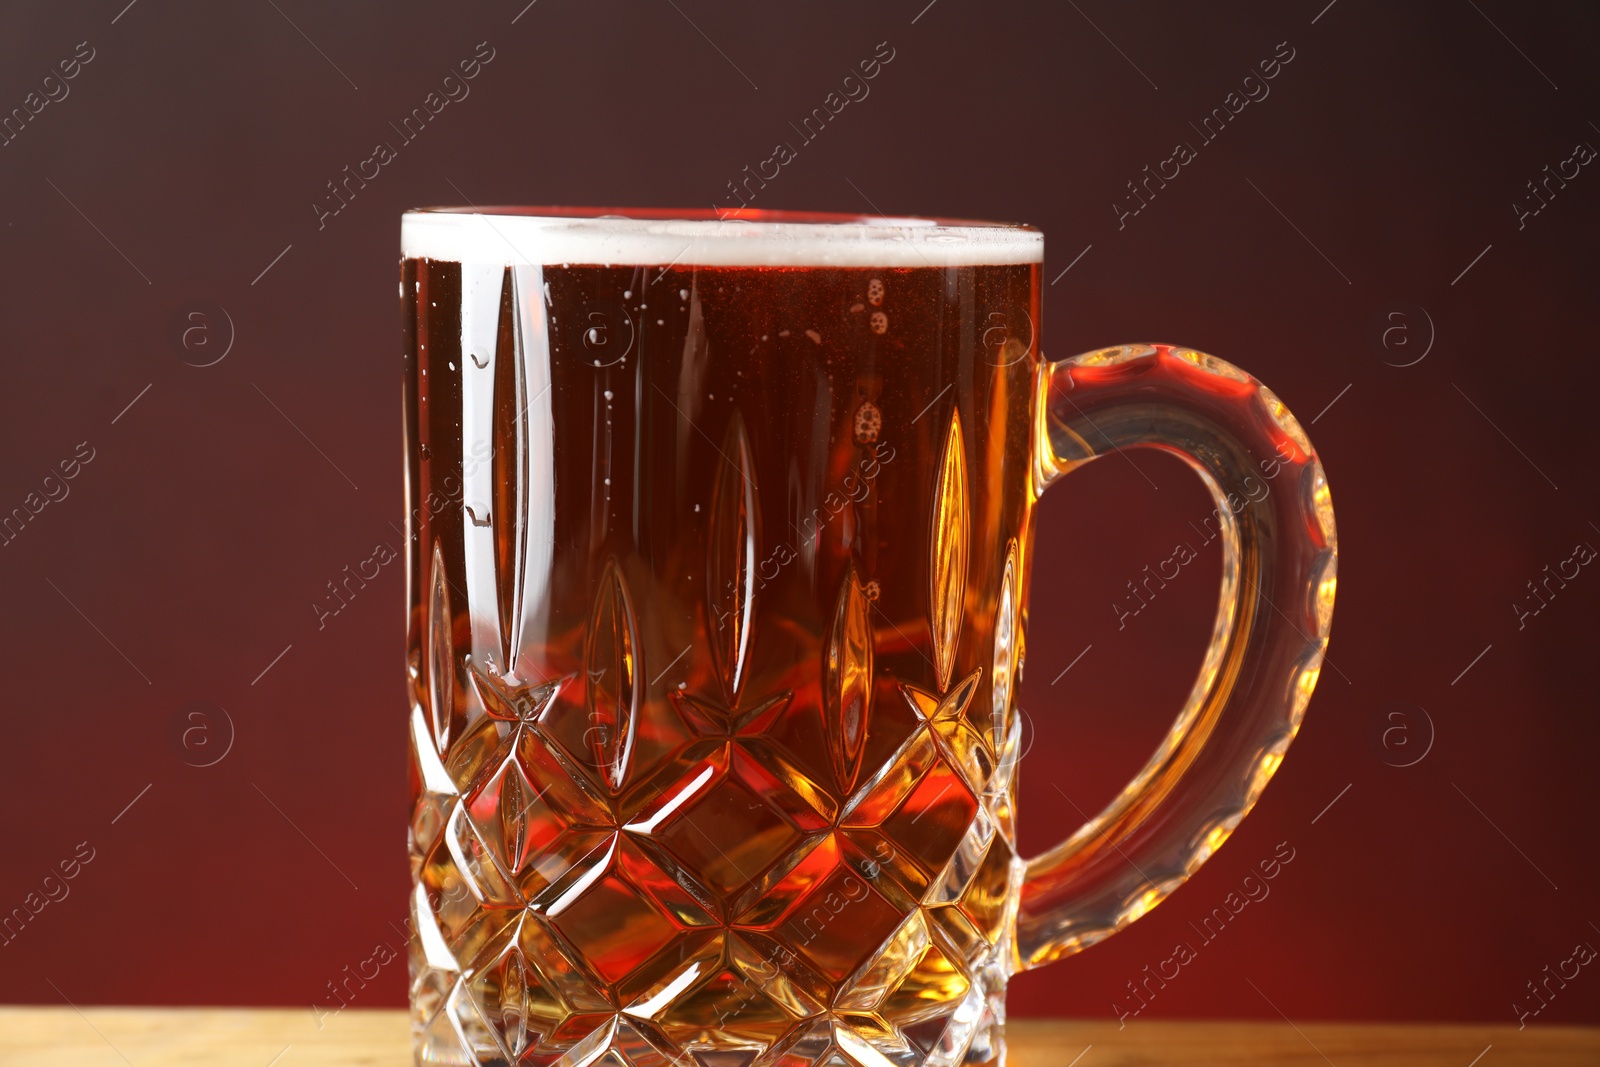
(868, 421)
(606, 331)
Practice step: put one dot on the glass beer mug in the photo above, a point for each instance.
(719, 544)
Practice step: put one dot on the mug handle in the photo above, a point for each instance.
(1279, 558)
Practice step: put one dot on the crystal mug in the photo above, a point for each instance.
(718, 553)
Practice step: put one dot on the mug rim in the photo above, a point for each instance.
(555, 235)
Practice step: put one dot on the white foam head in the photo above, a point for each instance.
(514, 236)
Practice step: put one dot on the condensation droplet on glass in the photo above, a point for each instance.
(683, 294)
(872, 590)
(815, 335)
(879, 322)
(451, 364)
(661, 322)
(783, 333)
(868, 421)
(875, 292)
(627, 294)
(609, 394)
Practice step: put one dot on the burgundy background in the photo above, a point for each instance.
(195, 541)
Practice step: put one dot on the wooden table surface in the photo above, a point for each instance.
(253, 1037)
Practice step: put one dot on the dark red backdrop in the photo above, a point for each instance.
(184, 158)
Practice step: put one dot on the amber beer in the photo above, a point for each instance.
(720, 539)
(682, 720)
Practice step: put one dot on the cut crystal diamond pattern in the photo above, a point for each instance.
(847, 680)
(947, 575)
(620, 910)
(509, 473)
(730, 833)
(713, 1002)
(829, 911)
(441, 643)
(530, 996)
(615, 687)
(730, 556)
(742, 862)
(1005, 654)
(928, 823)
